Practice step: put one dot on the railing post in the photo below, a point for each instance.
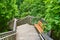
(14, 28)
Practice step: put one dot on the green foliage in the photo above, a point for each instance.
(32, 7)
(8, 10)
(47, 9)
(53, 16)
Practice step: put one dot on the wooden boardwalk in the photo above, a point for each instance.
(27, 32)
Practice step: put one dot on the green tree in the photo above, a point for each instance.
(52, 16)
(8, 10)
(32, 7)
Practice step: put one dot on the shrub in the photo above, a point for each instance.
(8, 10)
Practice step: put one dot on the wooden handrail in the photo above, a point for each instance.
(8, 36)
(38, 28)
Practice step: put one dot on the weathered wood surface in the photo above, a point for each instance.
(8, 36)
(27, 32)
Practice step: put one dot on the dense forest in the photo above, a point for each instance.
(47, 9)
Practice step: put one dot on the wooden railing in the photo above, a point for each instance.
(10, 35)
